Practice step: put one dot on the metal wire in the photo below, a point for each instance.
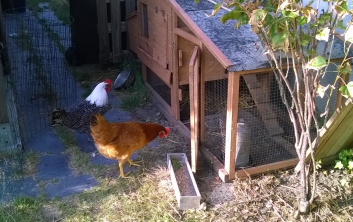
(159, 86)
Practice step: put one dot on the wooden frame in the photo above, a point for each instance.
(194, 105)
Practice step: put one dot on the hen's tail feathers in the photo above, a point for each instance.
(57, 117)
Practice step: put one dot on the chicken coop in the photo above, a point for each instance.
(213, 84)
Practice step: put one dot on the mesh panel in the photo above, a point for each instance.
(159, 86)
(145, 20)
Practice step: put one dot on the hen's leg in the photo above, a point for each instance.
(122, 171)
(133, 163)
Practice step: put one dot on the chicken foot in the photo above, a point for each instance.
(132, 163)
(122, 172)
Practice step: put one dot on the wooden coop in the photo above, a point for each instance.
(213, 84)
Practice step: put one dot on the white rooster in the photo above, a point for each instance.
(77, 116)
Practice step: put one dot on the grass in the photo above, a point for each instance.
(136, 95)
(61, 8)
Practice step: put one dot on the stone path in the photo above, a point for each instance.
(53, 169)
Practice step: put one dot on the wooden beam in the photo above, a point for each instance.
(186, 35)
(216, 165)
(202, 96)
(193, 114)
(232, 121)
(104, 50)
(265, 168)
(115, 10)
(225, 62)
(175, 86)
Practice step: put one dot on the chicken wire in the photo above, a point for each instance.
(36, 44)
(36, 79)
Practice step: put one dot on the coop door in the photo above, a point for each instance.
(194, 86)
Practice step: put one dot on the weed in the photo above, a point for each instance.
(137, 94)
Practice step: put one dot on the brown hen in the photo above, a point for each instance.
(119, 140)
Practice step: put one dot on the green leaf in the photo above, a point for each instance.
(197, 1)
(347, 90)
(317, 63)
(323, 35)
(301, 20)
(290, 14)
(235, 14)
(304, 38)
(257, 17)
(340, 25)
(339, 165)
(320, 91)
(350, 164)
(345, 69)
(341, 9)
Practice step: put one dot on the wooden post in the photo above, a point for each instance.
(4, 118)
(193, 87)
(130, 7)
(232, 120)
(115, 11)
(175, 82)
(104, 51)
(202, 95)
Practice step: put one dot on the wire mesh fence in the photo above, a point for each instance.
(159, 86)
(35, 80)
(42, 80)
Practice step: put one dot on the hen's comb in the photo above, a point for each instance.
(108, 81)
(167, 130)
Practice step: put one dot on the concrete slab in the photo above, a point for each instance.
(47, 142)
(70, 185)
(101, 160)
(53, 167)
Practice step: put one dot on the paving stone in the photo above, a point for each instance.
(13, 188)
(83, 143)
(47, 142)
(70, 185)
(53, 167)
(116, 115)
(153, 144)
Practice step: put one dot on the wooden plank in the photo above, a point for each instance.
(104, 51)
(180, 57)
(216, 165)
(202, 96)
(187, 36)
(173, 66)
(187, 47)
(163, 74)
(4, 118)
(251, 81)
(265, 110)
(145, 45)
(133, 26)
(266, 168)
(225, 62)
(196, 76)
(160, 58)
(133, 37)
(232, 120)
(161, 5)
(157, 17)
(338, 138)
(193, 113)
(115, 10)
(130, 7)
(212, 67)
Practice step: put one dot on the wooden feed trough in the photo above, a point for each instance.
(204, 76)
(185, 187)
